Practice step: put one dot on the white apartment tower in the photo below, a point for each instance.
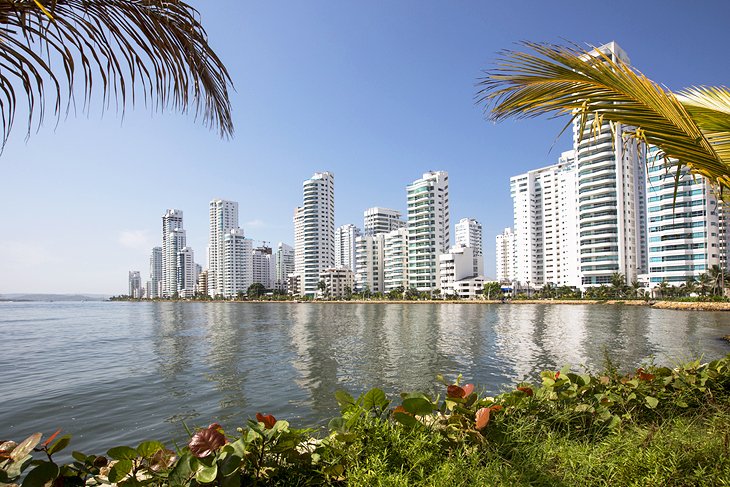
(544, 238)
(284, 265)
(175, 243)
(381, 220)
(506, 256)
(395, 259)
(369, 268)
(172, 220)
(154, 286)
(186, 273)
(611, 198)
(314, 231)
(685, 237)
(223, 218)
(264, 266)
(238, 267)
(428, 228)
(135, 285)
(468, 232)
(345, 246)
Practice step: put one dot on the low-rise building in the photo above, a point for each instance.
(337, 282)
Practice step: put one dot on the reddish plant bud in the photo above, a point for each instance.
(468, 389)
(482, 418)
(206, 441)
(526, 390)
(268, 420)
(455, 391)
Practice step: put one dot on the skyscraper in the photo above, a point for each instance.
(186, 275)
(172, 221)
(175, 244)
(345, 246)
(284, 265)
(469, 234)
(314, 231)
(381, 220)
(154, 288)
(685, 236)
(237, 263)
(545, 225)
(611, 198)
(135, 285)
(223, 218)
(428, 228)
(505, 256)
(264, 266)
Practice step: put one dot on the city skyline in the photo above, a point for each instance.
(377, 94)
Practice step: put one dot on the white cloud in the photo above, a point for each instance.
(135, 239)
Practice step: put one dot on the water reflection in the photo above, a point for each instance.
(204, 362)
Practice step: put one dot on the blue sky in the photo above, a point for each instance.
(377, 92)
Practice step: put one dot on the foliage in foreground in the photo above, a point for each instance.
(655, 426)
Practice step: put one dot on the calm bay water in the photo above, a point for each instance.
(120, 373)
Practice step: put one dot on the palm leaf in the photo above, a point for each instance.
(153, 50)
(560, 80)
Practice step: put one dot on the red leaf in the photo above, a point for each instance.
(206, 441)
(401, 409)
(50, 438)
(557, 375)
(526, 390)
(644, 375)
(455, 391)
(468, 389)
(496, 408)
(268, 420)
(482, 418)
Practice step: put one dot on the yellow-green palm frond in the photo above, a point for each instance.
(152, 50)
(561, 80)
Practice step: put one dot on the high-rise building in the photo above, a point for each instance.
(369, 268)
(176, 242)
(284, 265)
(172, 221)
(223, 218)
(238, 267)
(395, 260)
(154, 287)
(685, 238)
(468, 233)
(314, 231)
(345, 246)
(428, 228)
(545, 235)
(186, 276)
(505, 256)
(264, 266)
(381, 220)
(611, 197)
(135, 285)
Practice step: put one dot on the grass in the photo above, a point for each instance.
(687, 449)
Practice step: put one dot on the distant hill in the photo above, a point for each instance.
(54, 297)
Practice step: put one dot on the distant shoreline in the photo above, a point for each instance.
(674, 305)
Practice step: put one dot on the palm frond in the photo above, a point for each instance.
(560, 80)
(156, 50)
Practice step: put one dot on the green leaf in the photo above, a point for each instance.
(182, 472)
(682, 404)
(231, 465)
(79, 456)
(375, 398)
(25, 447)
(60, 444)
(652, 402)
(344, 398)
(418, 406)
(123, 453)
(336, 424)
(148, 448)
(206, 475)
(44, 473)
(405, 419)
(120, 470)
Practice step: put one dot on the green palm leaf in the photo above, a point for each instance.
(150, 51)
(591, 87)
